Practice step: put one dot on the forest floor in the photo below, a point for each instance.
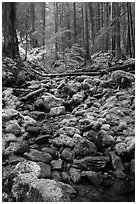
(68, 138)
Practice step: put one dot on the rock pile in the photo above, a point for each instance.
(68, 134)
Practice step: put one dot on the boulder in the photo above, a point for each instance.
(84, 148)
(27, 188)
(13, 127)
(38, 156)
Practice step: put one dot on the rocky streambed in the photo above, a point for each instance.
(73, 139)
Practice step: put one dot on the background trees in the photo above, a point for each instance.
(10, 44)
(56, 27)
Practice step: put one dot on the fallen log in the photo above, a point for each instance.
(89, 73)
(28, 96)
(67, 74)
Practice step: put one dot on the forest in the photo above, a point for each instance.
(68, 101)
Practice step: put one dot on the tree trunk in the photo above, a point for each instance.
(106, 19)
(68, 24)
(113, 32)
(86, 31)
(56, 28)
(129, 35)
(82, 14)
(118, 47)
(10, 46)
(75, 29)
(33, 41)
(91, 21)
(132, 30)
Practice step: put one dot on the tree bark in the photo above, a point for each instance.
(118, 47)
(10, 46)
(86, 31)
(75, 30)
(56, 28)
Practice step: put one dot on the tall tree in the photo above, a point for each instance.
(86, 30)
(56, 28)
(118, 46)
(10, 46)
(75, 28)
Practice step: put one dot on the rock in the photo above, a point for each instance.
(56, 164)
(116, 161)
(102, 120)
(95, 125)
(108, 117)
(78, 98)
(94, 177)
(14, 128)
(9, 98)
(14, 159)
(68, 122)
(130, 144)
(56, 175)
(40, 105)
(85, 85)
(105, 127)
(122, 126)
(29, 189)
(33, 131)
(37, 115)
(122, 79)
(132, 166)
(65, 177)
(5, 118)
(27, 167)
(45, 170)
(29, 121)
(9, 137)
(108, 140)
(75, 175)
(67, 155)
(17, 148)
(84, 148)
(51, 101)
(38, 156)
(47, 128)
(55, 111)
(42, 139)
(70, 131)
(120, 174)
(92, 163)
(63, 140)
(51, 150)
(120, 148)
